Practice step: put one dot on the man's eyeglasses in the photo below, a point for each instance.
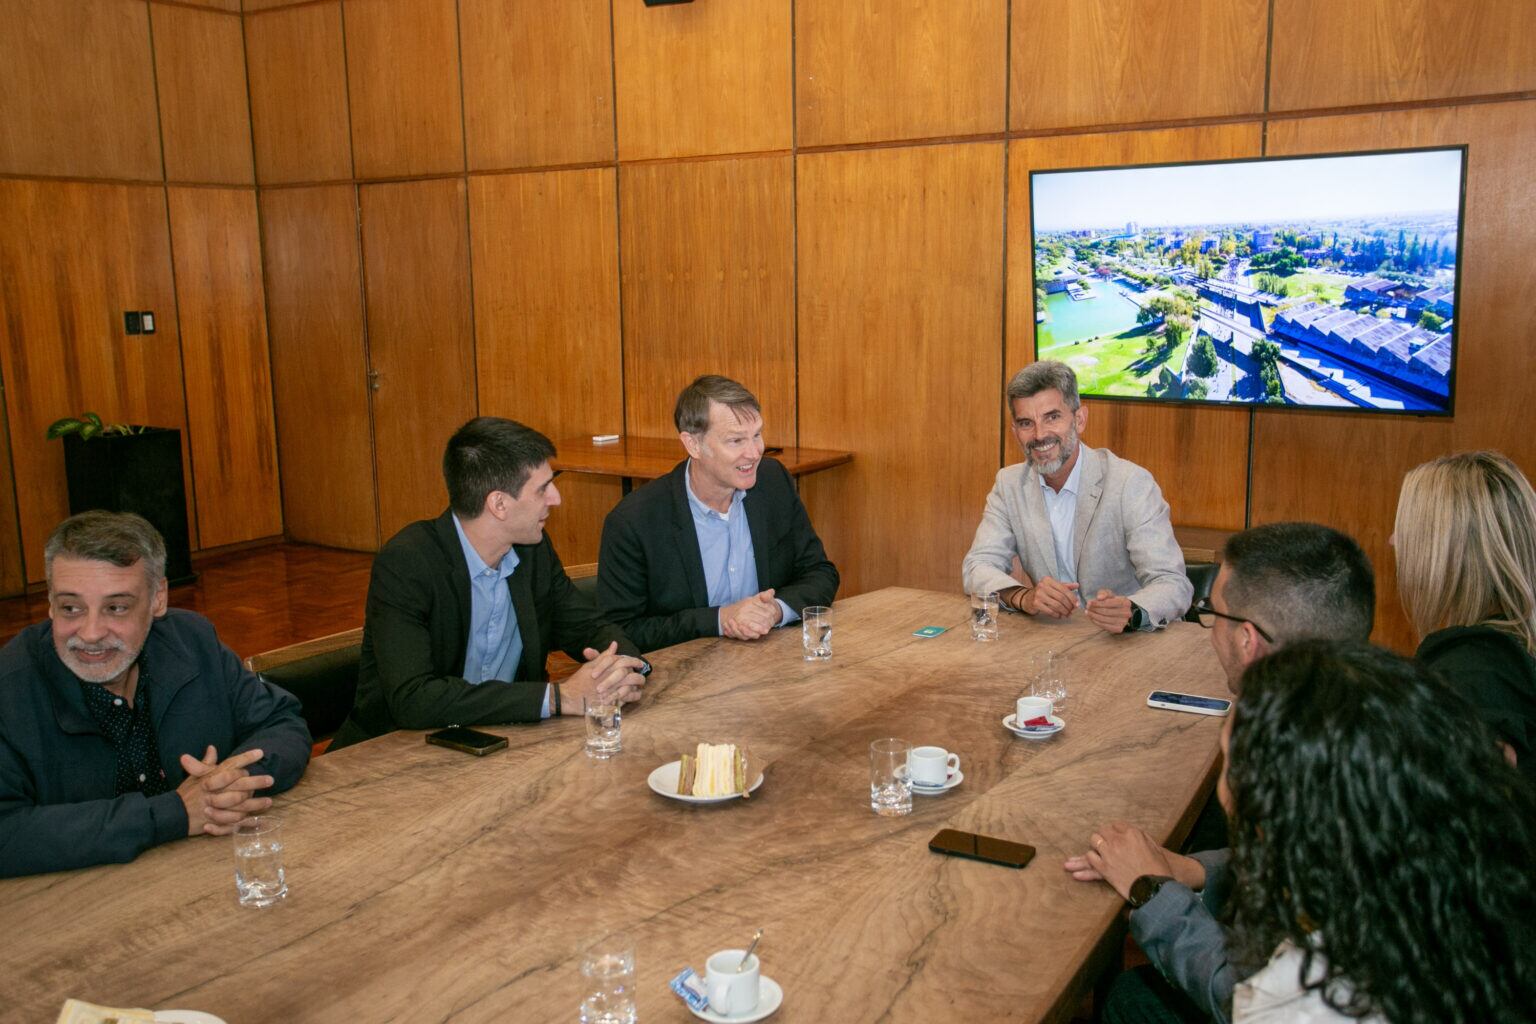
(1208, 616)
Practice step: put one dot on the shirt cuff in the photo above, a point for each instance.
(544, 713)
(790, 615)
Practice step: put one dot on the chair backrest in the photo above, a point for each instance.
(585, 578)
(321, 673)
(1203, 576)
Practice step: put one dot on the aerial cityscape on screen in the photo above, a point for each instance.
(1320, 282)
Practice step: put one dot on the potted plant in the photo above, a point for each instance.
(123, 468)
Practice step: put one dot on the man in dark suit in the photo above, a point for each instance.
(463, 609)
(721, 546)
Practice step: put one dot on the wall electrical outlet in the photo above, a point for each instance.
(147, 319)
(133, 323)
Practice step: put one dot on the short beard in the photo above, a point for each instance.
(1066, 447)
(106, 672)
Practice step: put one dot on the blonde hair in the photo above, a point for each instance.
(1465, 540)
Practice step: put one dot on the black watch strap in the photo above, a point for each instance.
(1144, 888)
(1138, 619)
(645, 666)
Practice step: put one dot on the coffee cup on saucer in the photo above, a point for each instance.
(732, 992)
(932, 766)
(1030, 707)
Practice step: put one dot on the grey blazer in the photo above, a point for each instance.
(1122, 537)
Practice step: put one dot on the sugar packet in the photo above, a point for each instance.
(690, 989)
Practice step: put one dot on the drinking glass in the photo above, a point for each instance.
(890, 778)
(608, 981)
(816, 633)
(259, 877)
(1053, 671)
(603, 722)
(984, 616)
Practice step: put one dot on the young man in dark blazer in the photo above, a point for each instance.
(722, 545)
(463, 609)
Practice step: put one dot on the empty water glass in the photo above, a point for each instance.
(890, 778)
(1050, 680)
(603, 723)
(984, 616)
(259, 877)
(608, 981)
(816, 633)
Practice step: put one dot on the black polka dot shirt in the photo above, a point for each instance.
(131, 732)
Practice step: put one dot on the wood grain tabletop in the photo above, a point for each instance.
(428, 885)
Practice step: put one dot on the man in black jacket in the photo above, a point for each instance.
(722, 545)
(463, 609)
(123, 724)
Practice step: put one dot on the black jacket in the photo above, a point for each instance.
(650, 574)
(416, 631)
(58, 773)
(1492, 671)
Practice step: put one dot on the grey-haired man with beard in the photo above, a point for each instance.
(125, 723)
(1090, 529)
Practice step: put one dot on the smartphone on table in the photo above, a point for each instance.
(1193, 703)
(470, 741)
(977, 847)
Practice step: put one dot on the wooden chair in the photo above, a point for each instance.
(321, 673)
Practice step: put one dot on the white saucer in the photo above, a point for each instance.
(769, 998)
(186, 1017)
(1034, 734)
(954, 780)
(663, 781)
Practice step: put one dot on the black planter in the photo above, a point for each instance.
(135, 473)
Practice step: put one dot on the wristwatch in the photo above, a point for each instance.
(1138, 619)
(645, 666)
(1144, 888)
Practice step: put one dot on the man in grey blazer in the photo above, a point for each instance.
(1090, 529)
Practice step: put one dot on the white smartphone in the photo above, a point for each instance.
(1170, 701)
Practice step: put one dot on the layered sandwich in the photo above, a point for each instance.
(714, 769)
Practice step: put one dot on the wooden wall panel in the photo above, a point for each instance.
(420, 338)
(538, 82)
(13, 576)
(1207, 490)
(1346, 469)
(204, 110)
(545, 253)
(901, 322)
(216, 247)
(73, 257)
(231, 6)
(1129, 61)
(906, 70)
(708, 262)
(298, 88)
(403, 80)
(1383, 51)
(320, 365)
(702, 78)
(77, 90)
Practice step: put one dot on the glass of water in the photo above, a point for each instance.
(608, 981)
(603, 722)
(816, 633)
(1051, 675)
(984, 616)
(890, 779)
(259, 877)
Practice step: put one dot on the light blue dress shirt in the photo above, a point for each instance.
(1061, 509)
(495, 641)
(725, 545)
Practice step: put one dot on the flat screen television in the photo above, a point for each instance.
(1320, 282)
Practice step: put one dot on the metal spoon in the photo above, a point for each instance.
(748, 954)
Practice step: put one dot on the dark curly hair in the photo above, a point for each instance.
(1375, 822)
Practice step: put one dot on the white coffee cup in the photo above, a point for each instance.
(732, 993)
(1031, 707)
(932, 766)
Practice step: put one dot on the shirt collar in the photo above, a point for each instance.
(476, 564)
(1070, 487)
(698, 506)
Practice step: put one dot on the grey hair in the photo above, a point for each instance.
(691, 413)
(121, 538)
(1042, 376)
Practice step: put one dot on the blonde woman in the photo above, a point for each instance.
(1465, 540)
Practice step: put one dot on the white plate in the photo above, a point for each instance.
(769, 998)
(954, 780)
(186, 1017)
(1034, 734)
(664, 781)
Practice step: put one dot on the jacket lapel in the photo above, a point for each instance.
(520, 583)
(458, 571)
(757, 527)
(170, 666)
(1090, 487)
(1039, 521)
(687, 538)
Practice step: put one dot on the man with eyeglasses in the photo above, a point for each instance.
(463, 609)
(1277, 584)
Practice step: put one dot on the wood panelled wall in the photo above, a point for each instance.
(561, 210)
(127, 183)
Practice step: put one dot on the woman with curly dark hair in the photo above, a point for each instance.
(1384, 851)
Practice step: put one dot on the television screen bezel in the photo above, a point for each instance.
(1448, 412)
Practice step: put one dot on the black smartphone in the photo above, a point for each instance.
(1171, 701)
(471, 741)
(987, 848)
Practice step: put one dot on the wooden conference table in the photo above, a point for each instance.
(632, 458)
(427, 885)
